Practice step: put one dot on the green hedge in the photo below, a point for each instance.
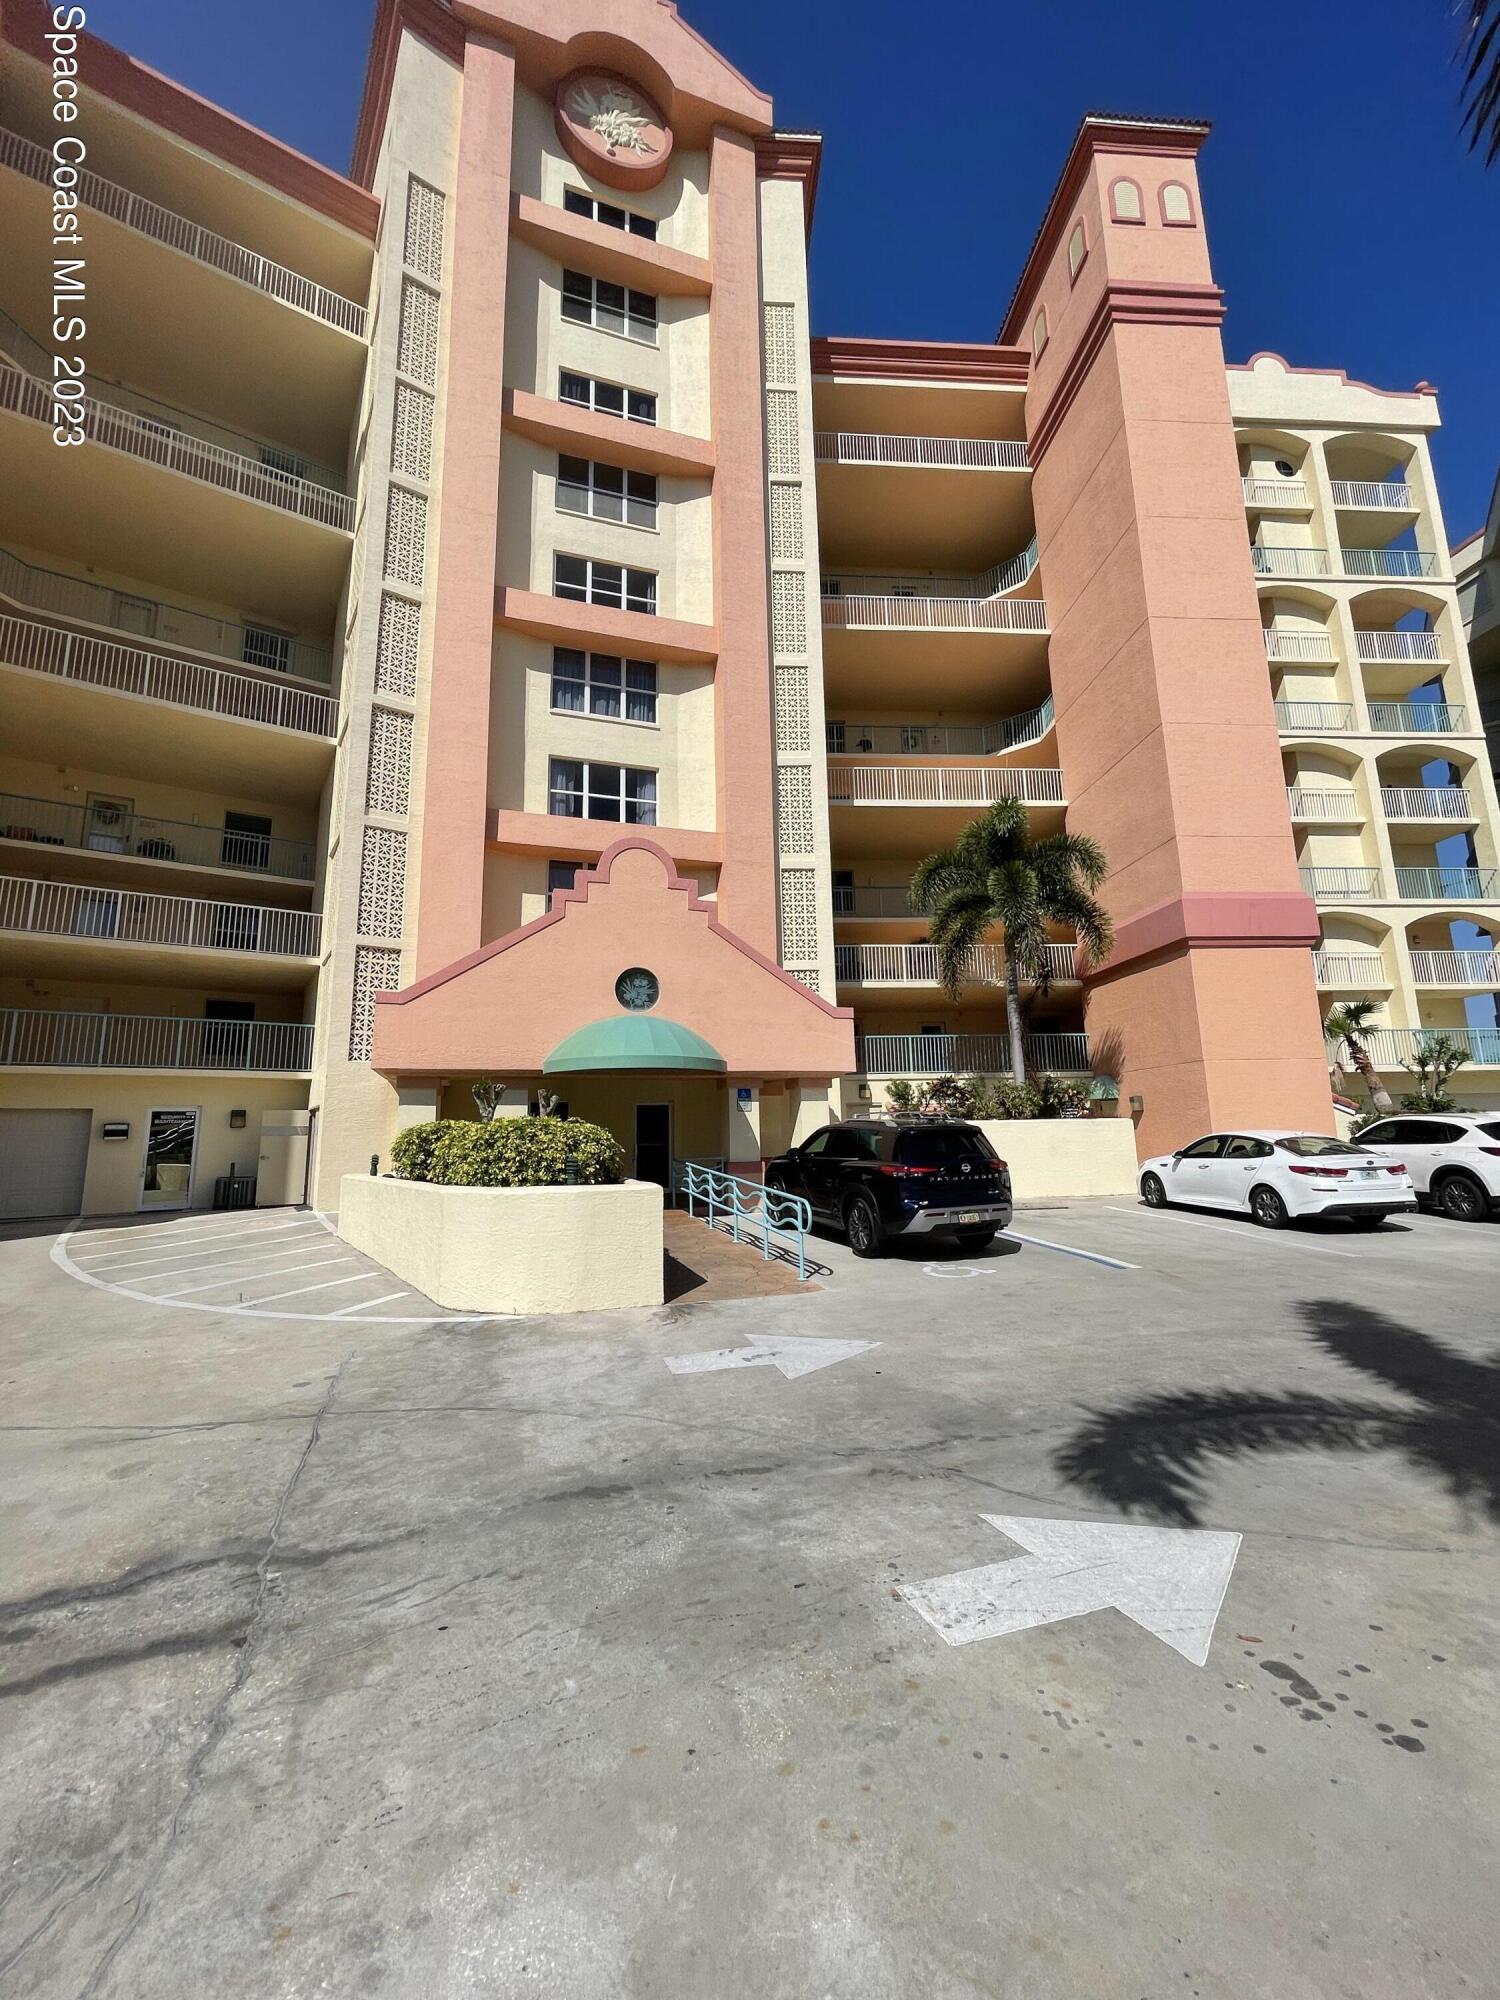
(508, 1152)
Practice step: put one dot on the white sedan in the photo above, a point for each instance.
(1276, 1176)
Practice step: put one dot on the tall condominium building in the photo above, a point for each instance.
(460, 622)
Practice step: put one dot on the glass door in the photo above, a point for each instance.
(171, 1148)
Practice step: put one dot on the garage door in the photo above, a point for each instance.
(43, 1155)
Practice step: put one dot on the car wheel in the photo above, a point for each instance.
(1153, 1194)
(862, 1227)
(1461, 1198)
(975, 1239)
(1267, 1208)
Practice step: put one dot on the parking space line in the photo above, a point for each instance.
(1070, 1250)
(1247, 1232)
(243, 1262)
(368, 1305)
(248, 1278)
(108, 1258)
(220, 1225)
(358, 1278)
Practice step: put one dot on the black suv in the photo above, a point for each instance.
(880, 1177)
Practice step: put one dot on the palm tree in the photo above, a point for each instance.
(1349, 1026)
(995, 874)
(1479, 52)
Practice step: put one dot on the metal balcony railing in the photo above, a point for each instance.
(917, 964)
(1275, 492)
(1328, 715)
(48, 649)
(1375, 647)
(1393, 1048)
(925, 784)
(939, 739)
(39, 1038)
(1339, 806)
(1350, 970)
(1409, 717)
(1389, 562)
(1297, 645)
(191, 238)
(1448, 885)
(1426, 802)
(1456, 968)
(153, 618)
(126, 916)
(101, 829)
(1288, 562)
(1343, 885)
(956, 454)
(966, 1055)
(1372, 494)
(989, 583)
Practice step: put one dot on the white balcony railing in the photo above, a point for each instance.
(996, 581)
(1343, 885)
(151, 618)
(107, 829)
(1389, 562)
(1410, 718)
(1288, 562)
(125, 916)
(938, 739)
(935, 614)
(1375, 647)
(1373, 495)
(1394, 1048)
(942, 784)
(1456, 968)
(1336, 806)
(1275, 492)
(191, 238)
(967, 1055)
(917, 964)
(955, 454)
(1350, 971)
(38, 1038)
(1426, 802)
(1282, 645)
(1448, 885)
(1332, 716)
(48, 649)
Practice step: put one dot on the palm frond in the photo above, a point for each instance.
(1479, 53)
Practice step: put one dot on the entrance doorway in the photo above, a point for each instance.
(171, 1148)
(653, 1144)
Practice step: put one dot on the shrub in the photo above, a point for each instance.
(412, 1150)
(900, 1095)
(525, 1152)
(947, 1095)
(1061, 1097)
(1010, 1099)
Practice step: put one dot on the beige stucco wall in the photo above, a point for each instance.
(70, 785)
(1053, 1157)
(511, 1250)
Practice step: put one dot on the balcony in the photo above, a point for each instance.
(939, 739)
(1332, 808)
(76, 598)
(942, 784)
(1328, 716)
(1275, 493)
(903, 611)
(1343, 885)
(1376, 648)
(1408, 718)
(969, 1055)
(190, 238)
(139, 836)
(127, 917)
(1445, 802)
(1289, 562)
(1448, 885)
(1456, 968)
(885, 498)
(1371, 496)
(1350, 971)
(1389, 562)
(1298, 645)
(32, 1037)
(917, 964)
(952, 454)
(1394, 1048)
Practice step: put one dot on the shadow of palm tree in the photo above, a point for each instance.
(1153, 1456)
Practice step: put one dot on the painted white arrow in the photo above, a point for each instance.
(1170, 1580)
(792, 1356)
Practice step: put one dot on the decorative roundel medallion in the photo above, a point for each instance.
(612, 129)
(637, 989)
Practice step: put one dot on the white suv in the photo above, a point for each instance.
(1453, 1158)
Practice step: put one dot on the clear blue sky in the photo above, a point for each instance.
(1348, 225)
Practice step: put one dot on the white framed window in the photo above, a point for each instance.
(1176, 205)
(610, 307)
(585, 581)
(603, 684)
(578, 790)
(613, 399)
(576, 202)
(1125, 200)
(606, 492)
(560, 875)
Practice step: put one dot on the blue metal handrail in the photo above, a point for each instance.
(732, 1199)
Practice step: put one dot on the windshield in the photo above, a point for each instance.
(942, 1146)
(1312, 1145)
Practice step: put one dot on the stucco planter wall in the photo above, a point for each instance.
(511, 1250)
(1051, 1157)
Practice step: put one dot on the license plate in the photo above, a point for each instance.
(1366, 1173)
(969, 1215)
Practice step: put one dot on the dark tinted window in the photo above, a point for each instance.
(943, 1145)
(1388, 1134)
(1247, 1149)
(1204, 1149)
(851, 1144)
(1433, 1133)
(1313, 1146)
(1490, 1131)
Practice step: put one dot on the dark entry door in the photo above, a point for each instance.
(653, 1144)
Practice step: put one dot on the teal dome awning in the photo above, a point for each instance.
(633, 1041)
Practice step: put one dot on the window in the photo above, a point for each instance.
(1039, 331)
(607, 492)
(1203, 1149)
(560, 875)
(601, 791)
(1247, 1149)
(588, 582)
(1490, 1131)
(576, 202)
(1313, 1145)
(611, 308)
(1078, 248)
(817, 1145)
(598, 684)
(609, 397)
(943, 1146)
(1176, 205)
(261, 647)
(1125, 202)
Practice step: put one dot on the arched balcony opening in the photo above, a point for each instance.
(1310, 683)
(1377, 506)
(1455, 967)
(1406, 655)
(1274, 472)
(1353, 959)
